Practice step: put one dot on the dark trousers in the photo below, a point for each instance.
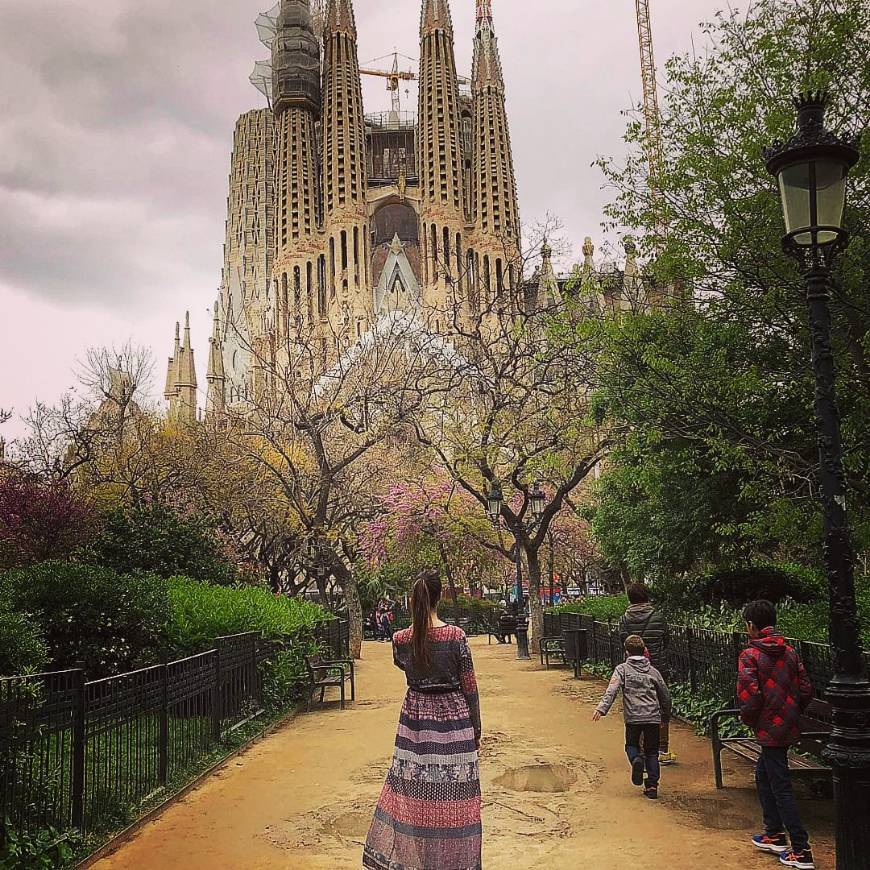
(649, 734)
(778, 803)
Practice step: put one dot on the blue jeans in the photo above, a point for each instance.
(650, 751)
(778, 803)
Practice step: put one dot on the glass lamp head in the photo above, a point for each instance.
(811, 169)
(494, 501)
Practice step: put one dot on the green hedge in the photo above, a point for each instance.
(798, 621)
(108, 621)
(200, 612)
(605, 608)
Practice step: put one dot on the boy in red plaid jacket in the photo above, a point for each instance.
(773, 691)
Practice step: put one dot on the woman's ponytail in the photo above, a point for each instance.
(424, 598)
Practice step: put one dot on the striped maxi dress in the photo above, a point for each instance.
(428, 815)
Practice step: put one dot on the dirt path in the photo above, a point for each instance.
(303, 799)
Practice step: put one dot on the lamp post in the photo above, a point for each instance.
(812, 168)
(537, 505)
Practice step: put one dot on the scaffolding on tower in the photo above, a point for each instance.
(267, 29)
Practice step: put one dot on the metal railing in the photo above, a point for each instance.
(695, 656)
(85, 755)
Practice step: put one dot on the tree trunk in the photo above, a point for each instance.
(536, 611)
(354, 607)
(321, 591)
(451, 582)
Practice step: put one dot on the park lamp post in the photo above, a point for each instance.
(537, 505)
(812, 169)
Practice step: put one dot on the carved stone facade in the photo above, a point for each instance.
(248, 251)
(336, 217)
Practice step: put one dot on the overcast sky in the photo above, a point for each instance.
(116, 122)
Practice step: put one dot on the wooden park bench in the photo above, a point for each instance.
(323, 673)
(815, 728)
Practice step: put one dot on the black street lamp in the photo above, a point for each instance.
(537, 505)
(812, 168)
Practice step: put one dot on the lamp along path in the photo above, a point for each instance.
(556, 788)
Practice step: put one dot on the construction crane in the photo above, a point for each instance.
(652, 118)
(394, 78)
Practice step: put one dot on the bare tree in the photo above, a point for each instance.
(515, 407)
(330, 415)
(100, 433)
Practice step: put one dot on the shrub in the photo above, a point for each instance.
(740, 585)
(285, 676)
(110, 622)
(22, 647)
(39, 520)
(44, 849)
(605, 608)
(159, 541)
(201, 612)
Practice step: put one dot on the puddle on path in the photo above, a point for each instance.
(353, 825)
(543, 778)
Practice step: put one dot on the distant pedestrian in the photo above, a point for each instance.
(646, 704)
(645, 620)
(428, 815)
(386, 625)
(773, 691)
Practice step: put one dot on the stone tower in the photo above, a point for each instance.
(344, 185)
(181, 383)
(496, 213)
(439, 160)
(297, 106)
(216, 401)
(248, 250)
(336, 216)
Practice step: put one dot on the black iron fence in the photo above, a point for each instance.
(698, 657)
(84, 755)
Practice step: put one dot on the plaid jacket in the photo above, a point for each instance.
(773, 690)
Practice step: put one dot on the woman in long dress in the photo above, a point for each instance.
(428, 815)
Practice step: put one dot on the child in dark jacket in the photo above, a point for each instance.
(646, 703)
(773, 691)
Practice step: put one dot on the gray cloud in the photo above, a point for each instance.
(116, 122)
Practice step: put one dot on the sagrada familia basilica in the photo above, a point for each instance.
(336, 217)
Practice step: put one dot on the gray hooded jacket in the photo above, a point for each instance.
(645, 696)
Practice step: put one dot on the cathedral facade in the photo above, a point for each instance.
(336, 217)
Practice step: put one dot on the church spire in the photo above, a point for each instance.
(436, 16)
(344, 171)
(549, 294)
(182, 399)
(296, 101)
(340, 17)
(497, 222)
(439, 155)
(216, 377)
(487, 69)
(171, 389)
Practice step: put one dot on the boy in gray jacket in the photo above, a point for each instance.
(646, 703)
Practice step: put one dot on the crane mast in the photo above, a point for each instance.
(652, 119)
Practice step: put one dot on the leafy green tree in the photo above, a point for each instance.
(715, 399)
(155, 539)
